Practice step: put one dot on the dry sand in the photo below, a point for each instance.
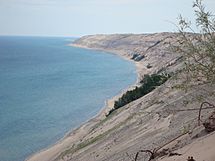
(147, 123)
(54, 150)
(202, 149)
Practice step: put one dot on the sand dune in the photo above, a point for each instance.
(147, 123)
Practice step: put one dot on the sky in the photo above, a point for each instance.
(86, 17)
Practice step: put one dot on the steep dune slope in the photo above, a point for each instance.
(149, 51)
(150, 122)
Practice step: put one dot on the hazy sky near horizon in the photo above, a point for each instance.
(83, 17)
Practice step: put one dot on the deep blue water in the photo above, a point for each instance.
(48, 88)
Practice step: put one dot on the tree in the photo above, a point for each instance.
(197, 47)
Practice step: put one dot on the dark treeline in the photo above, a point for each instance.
(148, 83)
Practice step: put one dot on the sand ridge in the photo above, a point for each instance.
(146, 123)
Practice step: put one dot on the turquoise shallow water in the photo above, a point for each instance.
(48, 88)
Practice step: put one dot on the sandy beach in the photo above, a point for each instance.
(147, 123)
(75, 135)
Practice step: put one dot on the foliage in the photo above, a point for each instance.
(198, 48)
(148, 83)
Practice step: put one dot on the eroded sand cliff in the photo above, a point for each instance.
(147, 123)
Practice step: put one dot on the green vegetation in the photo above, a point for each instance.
(149, 83)
(197, 47)
(90, 141)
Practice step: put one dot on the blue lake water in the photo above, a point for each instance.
(48, 88)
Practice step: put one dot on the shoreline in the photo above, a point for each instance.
(77, 133)
(151, 122)
(123, 55)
